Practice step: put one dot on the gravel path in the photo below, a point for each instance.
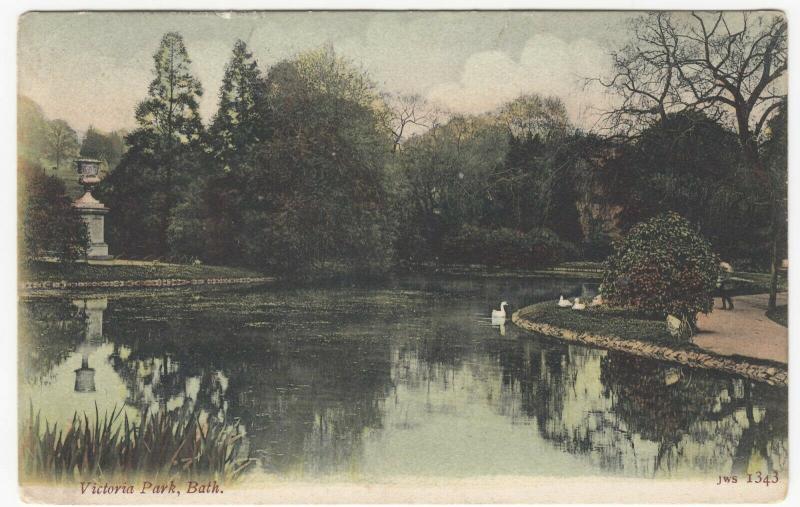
(745, 331)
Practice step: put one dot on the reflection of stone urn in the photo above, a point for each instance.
(92, 312)
(84, 377)
(91, 210)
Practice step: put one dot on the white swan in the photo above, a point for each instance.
(564, 303)
(578, 305)
(501, 313)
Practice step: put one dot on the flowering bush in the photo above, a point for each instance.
(662, 266)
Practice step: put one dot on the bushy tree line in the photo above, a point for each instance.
(290, 174)
(307, 167)
(500, 175)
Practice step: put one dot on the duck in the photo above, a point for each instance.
(501, 313)
(597, 301)
(578, 305)
(564, 303)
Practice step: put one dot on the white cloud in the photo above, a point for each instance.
(93, 68)
(547, 65)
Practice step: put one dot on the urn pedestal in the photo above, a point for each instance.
(92, 211)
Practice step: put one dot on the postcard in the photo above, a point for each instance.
(402, 256)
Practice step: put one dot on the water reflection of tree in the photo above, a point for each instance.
(642, 417)
(700, 407)
(309, 402)
(305, 400)
(543, 372)
(433, 357)
(49, 332)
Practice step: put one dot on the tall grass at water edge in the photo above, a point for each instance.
(160, 446)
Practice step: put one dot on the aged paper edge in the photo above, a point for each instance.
(426, 490)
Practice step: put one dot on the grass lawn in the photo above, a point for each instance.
(605, 321)
(54, 271)
(780, 315)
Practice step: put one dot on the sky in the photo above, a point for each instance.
(93, 68)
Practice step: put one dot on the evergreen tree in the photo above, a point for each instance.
(163, 151)
(238, 127)
(239, 120)
(171, 113)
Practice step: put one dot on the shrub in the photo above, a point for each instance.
(50, 226)
(500, 246)
(662, 266)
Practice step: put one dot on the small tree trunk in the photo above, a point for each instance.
(773, 283)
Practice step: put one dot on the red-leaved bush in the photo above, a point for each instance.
(662, 266)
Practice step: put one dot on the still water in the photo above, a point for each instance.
(405, 378)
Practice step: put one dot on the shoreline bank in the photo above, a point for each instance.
(150, 282)
(771, 373)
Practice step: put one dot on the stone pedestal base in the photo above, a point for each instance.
(93, 213)
(98, 251)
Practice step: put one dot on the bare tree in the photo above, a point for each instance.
(645, 75)
(62, 141)
(732, 67)
(405, 112)
(740, 72)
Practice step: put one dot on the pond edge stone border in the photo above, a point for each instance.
(772, 375)
(151, 282)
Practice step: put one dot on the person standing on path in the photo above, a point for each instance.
(724, 285)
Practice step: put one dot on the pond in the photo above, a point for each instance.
(398, 379)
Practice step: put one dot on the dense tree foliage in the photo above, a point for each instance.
(691, 165)
(50, 226)
(313, 194)
(307, 167)
(163, 155)
(507, 174)
(107, 147)
(49, 144)
(32, 127)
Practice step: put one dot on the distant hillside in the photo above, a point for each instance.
(54, 145)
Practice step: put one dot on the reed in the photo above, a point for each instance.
(163, 445)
